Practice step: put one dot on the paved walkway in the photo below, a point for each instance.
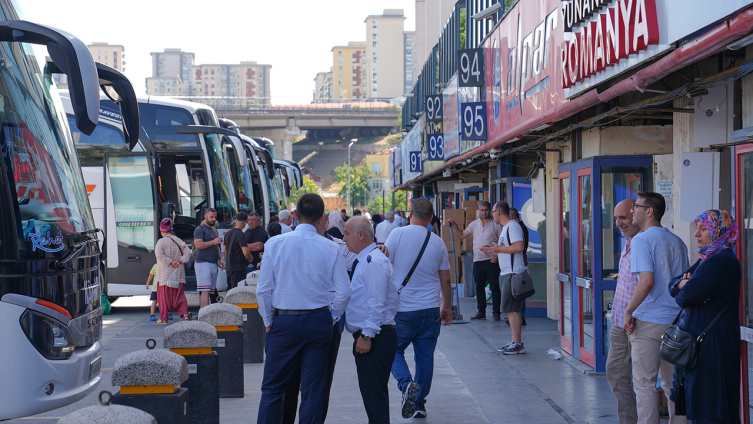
(473, 383)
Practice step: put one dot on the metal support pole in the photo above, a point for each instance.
(347, 206)
(455, 294)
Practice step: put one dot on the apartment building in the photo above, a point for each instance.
(112, 55)
(431, 17)
(379, 180)
(348, 73)
(224, 85)
(385, 55)
(323, 87)
(172, 62)
(409, 48)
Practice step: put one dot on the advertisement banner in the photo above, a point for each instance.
(450, 122)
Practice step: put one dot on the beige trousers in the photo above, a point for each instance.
(644, 350)
(618, 375)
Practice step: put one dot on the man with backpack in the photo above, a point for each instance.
(515, 216)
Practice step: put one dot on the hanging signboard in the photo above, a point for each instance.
(473, 119)
(471, 68)
(450, 128)
(434, 108)
(416, 163)
(435, 146)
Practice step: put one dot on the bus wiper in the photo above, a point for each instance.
(78, 248)
(104, 239)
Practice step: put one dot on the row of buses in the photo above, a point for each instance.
(86, 175)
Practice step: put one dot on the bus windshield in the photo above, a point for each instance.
(105, 138)
(46, 186)
(219, 164)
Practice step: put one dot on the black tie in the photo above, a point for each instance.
(352, 269)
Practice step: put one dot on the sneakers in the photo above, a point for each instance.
(513, 348)
(408, 406)
(152, 318)
(479, 315)
(496, 316)
(169, 316)
(420, 411)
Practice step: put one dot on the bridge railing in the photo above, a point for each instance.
(243, 106)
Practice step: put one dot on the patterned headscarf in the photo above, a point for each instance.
(166, 225)
(723, 231)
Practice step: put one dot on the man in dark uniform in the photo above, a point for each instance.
(256, 236)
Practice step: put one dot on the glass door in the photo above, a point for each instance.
(584, 280)
(563, 276)
(744, 217)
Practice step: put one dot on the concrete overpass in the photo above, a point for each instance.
(283, 124)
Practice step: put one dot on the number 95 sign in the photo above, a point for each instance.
(473, 120)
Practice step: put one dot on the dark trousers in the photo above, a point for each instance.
(235, 277)
(290, 408)
(486, 272)
(373, 369)
(296, 342)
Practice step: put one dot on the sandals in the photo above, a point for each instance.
(152, 318)
(159, 321)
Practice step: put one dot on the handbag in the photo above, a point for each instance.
(680, 348)
(415, 264)
(174, 280)
(521, 283)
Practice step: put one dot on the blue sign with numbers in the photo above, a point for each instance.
(416, 164)
(435, 143)
(473, 119)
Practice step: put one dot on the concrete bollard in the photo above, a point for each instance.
(244, 297)
(108, 414)
(194, 341)
(252, 278)
(150, 380)
(227, 319)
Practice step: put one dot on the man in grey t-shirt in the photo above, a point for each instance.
(657, 257)
(207, 242)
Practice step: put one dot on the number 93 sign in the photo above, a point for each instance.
(473, 120)
(435, 144)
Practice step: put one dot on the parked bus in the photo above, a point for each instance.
(180, 168)
(50, 315)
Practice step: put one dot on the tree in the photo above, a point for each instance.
(308, 187)
(359, 183)
(377, 206)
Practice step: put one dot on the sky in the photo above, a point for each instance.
(294, 36)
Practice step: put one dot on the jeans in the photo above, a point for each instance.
(486, 272)
(422, 329)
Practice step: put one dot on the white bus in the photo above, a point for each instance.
(50, 261)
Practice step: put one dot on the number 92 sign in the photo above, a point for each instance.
(473, 117)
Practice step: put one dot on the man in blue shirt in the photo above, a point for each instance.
(657, 257)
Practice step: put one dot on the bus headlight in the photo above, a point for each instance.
(50, 337)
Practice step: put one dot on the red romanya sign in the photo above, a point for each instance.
(625, 28)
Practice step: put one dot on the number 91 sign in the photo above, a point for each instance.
(436, 146)
(473, 120)
(416, 164)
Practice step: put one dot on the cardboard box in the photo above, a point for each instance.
(471, 214)
(467, 244)
(470, 204)
(457, 215)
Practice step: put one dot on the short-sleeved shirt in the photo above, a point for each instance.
(383, 230)
(483, 235)
(423, 290)
(154, 273)
(626, 284)
(212, 253)
(506, 259)
(659, 251)
(234, 241)
(255, 236)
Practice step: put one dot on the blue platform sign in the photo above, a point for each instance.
(435, 144)
(416, 164)
(473, 120)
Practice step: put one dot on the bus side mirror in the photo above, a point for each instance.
(120, 90)
(72, 57)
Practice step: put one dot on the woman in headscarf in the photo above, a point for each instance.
(336, 225)
(171, 253)
(274, 229)
(710, 392)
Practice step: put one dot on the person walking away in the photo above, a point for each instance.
(274, 229)
(515, 216)
(657, 256)
(286, 220)
(384, 228)
(485, 232)
(376, 220)
(710, 392)
(171, 253)
(336, 224)
(509, 252)
(419, 316)
(237, 252)
(207, 241)
(370, 317)
(294, 302)
(255, 239)
(153, 296)
(618, 359)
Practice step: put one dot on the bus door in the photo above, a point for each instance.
(132, 218)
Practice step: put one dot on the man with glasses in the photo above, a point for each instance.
(485, 232)
(657, 257)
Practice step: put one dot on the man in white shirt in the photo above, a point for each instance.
(398, 221)
(384, 228)
(286, 219)
(370, 317)
(294, 302)
(510, 255)
(419, 316)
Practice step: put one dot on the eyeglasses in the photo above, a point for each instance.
(640, 206)
(495, 211)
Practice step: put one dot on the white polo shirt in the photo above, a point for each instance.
(423, 290)
(383, 230)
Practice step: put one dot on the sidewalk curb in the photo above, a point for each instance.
(578, 365)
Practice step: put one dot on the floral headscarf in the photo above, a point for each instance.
(723, 231)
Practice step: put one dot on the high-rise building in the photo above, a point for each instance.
(225, 85)
(410, 44)
(385, 55)
(172, 62)
(431, 17)
(323, 87)
(348, 73)
(112, 55)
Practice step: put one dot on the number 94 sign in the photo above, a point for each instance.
(473, 117)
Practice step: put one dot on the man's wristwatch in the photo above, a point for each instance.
(366, 338)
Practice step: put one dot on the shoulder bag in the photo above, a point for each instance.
(522, 283)
(173, 282)
(680, 348)
(415, 264)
